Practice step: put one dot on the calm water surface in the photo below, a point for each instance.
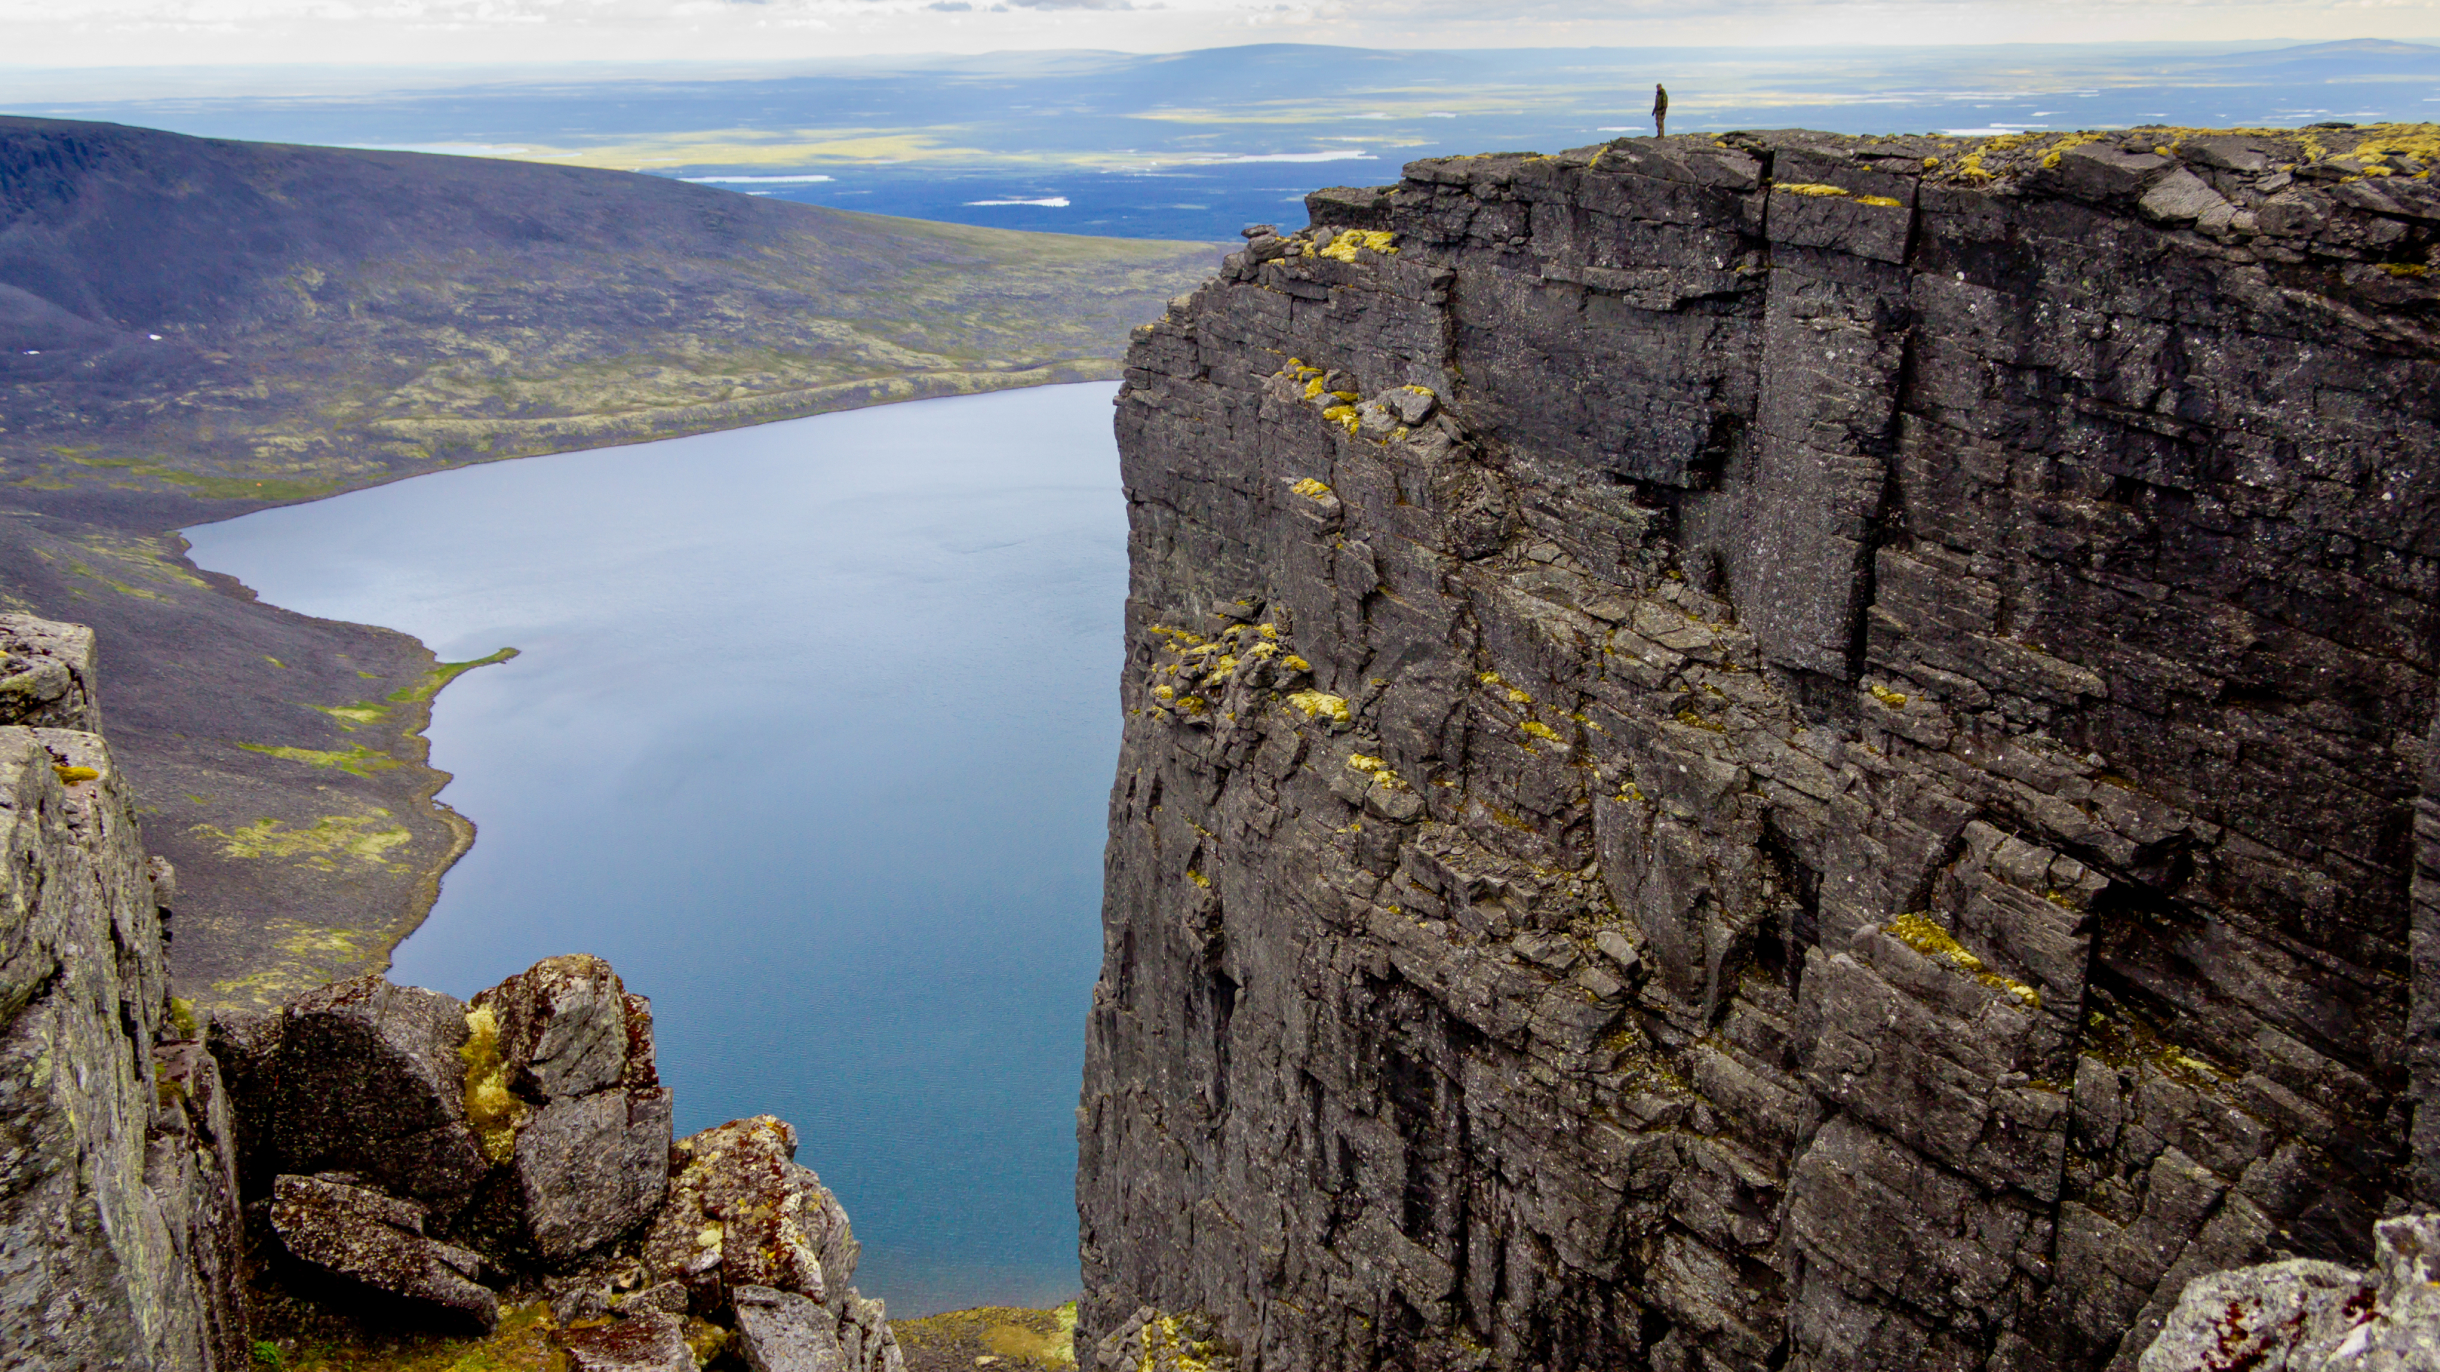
(811, 737)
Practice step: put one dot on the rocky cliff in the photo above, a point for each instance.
(118, 1195)
(365, 1159)
(1773, 751)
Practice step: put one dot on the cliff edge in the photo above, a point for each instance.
(1775, 751)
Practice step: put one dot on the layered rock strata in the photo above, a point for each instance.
(119, 1232)
(1775, 751)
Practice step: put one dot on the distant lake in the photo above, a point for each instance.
(811, 737)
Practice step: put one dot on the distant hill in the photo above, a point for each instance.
(200, 317)
(193, 328)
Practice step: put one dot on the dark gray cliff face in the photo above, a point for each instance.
(1837, 794)
(119, 1230)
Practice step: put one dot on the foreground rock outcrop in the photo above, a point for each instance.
(382, 1155)
(1776, 751)
(434, 1160)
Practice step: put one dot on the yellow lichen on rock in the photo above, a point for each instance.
(1376, 768)
(1895, 700)
(1814, 188)
(1343, 246)
(1310, 489)
(491, 1110)
(1317, 704)
(1918, 931)
(1170, 1346)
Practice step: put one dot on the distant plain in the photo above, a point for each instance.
(1196, 145)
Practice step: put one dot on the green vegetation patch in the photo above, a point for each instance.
(349, 716)
(357, 761)
(430, 684)
(213, 486)
(330, 840)
(301, 956)
(1010, 1337)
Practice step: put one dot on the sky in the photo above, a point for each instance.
(202, 33)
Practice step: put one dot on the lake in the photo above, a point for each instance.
(811, 736)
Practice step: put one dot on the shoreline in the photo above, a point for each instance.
(357, 925)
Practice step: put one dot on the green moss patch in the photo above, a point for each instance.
(490, 1108)
(432, 682)
(357, 761)
(323, 845)
(1007, 1336)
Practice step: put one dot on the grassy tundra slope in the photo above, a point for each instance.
(193, 328)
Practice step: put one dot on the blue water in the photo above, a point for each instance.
(811, 737)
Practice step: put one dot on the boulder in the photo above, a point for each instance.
(2308, 1316)
(369, 1081)
(748, 1229)
(564, 1027)
(741, 1206)
(649, 1342)
(378, 1240)
(590, 1168)
(561, 1088)
(48, 677)
(782, 1331)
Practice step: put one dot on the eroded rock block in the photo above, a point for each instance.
(742, 1215)
(369, 1081)
(590, 1168)
(741, 1207)
(379, 1240)
(563, 1026)
(785, 1332)
(560, 1085)
(647, 1342)
(48, 674)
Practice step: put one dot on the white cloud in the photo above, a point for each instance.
(201, 32)
(1333, 155)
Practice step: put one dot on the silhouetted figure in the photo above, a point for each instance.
(1660, 110)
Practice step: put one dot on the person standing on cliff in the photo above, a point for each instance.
(1660, 110)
